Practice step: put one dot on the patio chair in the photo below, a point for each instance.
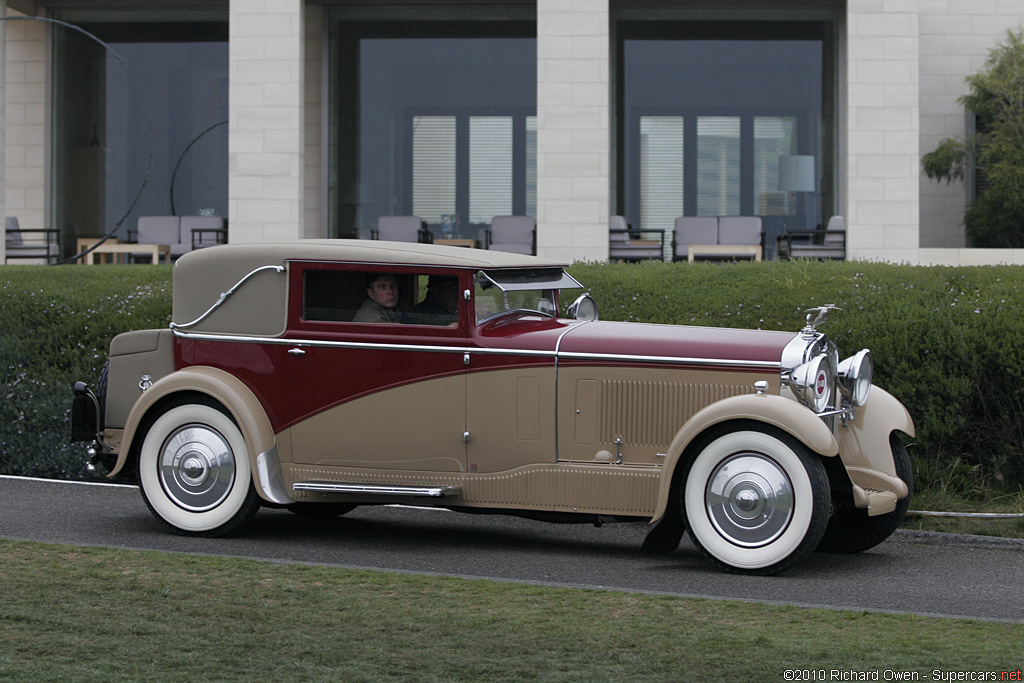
(203, 231)
(624, 243)
(745, 230)
(46, 248)
(515, 234)
(402, 229)
(693, 230)
(829, 243)
(160, 230)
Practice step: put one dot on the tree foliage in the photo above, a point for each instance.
(996, 216)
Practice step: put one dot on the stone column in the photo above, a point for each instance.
(883, 130)
(265, 141)
(573, 136)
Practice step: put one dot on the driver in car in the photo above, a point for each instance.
(381, 300)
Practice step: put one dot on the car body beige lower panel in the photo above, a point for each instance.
(417, 426)
(593, 489)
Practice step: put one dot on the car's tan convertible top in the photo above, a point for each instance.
(258, 308)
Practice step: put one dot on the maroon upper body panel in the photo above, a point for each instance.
(522, 332)
(674, 341)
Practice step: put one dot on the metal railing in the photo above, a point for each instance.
(975, 515)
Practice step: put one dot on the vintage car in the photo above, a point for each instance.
(322, 375)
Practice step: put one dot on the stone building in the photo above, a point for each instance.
(296, 118)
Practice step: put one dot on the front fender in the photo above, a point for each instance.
(244, 407)
(864, 441)
(783, 413)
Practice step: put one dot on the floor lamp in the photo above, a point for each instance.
(796, 174)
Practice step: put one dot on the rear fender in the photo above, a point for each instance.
(240, 402)
(782, 413)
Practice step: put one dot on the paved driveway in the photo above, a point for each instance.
(923, 573)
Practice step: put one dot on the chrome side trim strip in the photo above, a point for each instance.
(558, 343)
(224, 297)
(461, 349)
(378, 490)
(674, 360)
(561, 355)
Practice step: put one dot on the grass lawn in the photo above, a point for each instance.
(89, 614)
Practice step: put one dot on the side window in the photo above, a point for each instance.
(380, 297)
(439, 304)
(332, 296)
(487, 298)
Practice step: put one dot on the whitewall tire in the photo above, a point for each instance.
(755, 499)
(194, 471)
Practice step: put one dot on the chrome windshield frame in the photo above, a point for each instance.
(566, 281)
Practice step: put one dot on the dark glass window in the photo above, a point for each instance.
(713, 118)
(435, 119)
(144, 137)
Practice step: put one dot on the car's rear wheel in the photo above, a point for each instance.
(755, 499)
(851, 530)
(194, 470)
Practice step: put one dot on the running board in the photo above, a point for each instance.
(377, 490)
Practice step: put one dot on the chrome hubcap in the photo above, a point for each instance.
(197, 468)
(749, 500)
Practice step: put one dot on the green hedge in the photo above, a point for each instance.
(56, 324)
(946, 341)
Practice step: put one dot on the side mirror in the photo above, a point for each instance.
(584, 308)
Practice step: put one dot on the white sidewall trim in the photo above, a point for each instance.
(149, 468)
(713, 541)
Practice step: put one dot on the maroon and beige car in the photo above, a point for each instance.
(467, 390)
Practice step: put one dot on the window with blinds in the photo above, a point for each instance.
(705, 110)
(490, 167)
(661, 171)
(531, 166)
(433, 167)
(718, 166)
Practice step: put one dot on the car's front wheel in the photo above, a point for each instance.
(194, 470)
(755, 499)
(851, 530)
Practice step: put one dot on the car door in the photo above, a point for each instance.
(383, 395)
(510, 411)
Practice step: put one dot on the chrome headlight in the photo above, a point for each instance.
(584, 308)
(855, 377)
(812, 382)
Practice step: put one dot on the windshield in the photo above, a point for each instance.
(529, 291)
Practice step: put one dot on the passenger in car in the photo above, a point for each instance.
(440, 306)
(381, 302)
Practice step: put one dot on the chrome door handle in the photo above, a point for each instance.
(297, 352)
